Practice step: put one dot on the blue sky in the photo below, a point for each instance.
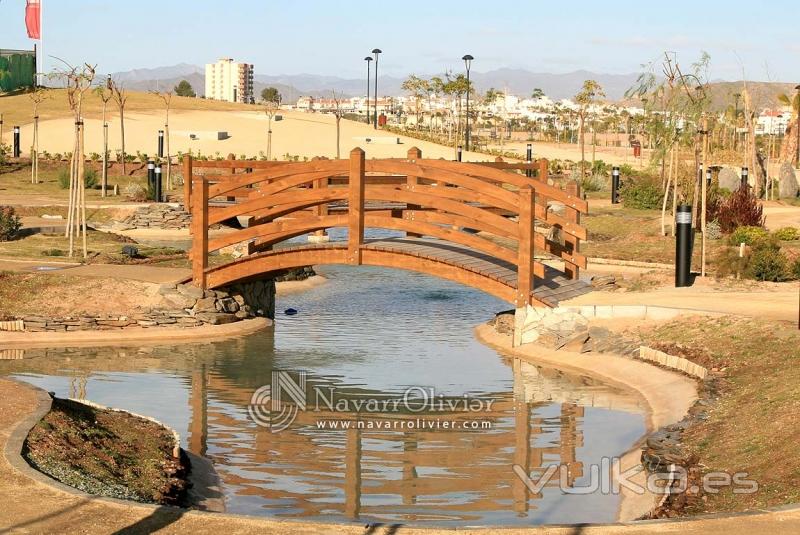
(332, 37)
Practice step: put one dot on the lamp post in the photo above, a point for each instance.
(376, 51)
(368, 59)
(467, 63)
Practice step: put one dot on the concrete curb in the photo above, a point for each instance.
(644, 312)
(673, 362)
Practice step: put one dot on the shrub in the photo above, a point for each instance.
(767, 263)
(787, 234)
(4, 152)
(10, 223)
(740, 209)
(713, 231)
(592, 183)
(89, 178)
(135, 192)
(795, 268)
(747, 235)
(643, 193)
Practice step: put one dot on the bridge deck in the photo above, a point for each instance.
(555, 287)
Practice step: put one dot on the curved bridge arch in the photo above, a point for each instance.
(478, 219)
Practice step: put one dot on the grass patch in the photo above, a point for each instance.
(753, 426)
(108, 453)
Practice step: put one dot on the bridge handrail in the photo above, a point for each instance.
(432, 207)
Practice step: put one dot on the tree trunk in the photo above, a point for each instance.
(583, 146)
(338, 137)
(122, 136)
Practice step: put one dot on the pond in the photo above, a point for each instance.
(390, 354)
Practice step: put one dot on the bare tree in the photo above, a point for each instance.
(78, 80)
(38, 96)
(337, 113)
(271, 108)
(166, 97)
(104, 92)
(590, 91)
(121, 98)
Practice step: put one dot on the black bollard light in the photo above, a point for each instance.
(615, 185)
(157, 183)
(529, 158)
(16, 142)
(683, 245)
(708, 178)
(160, 143)
(151, 179)
(459, 150)
(745, 177)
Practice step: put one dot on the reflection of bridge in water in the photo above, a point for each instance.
(401, 475)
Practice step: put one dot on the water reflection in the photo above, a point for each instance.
(367, 346)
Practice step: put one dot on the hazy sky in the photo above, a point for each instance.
(332, 37)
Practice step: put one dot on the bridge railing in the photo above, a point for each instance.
(464, 203)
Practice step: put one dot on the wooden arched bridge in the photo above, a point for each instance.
(472, 223)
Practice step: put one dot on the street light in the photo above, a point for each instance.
(376, 51)
(467, 63)
(368, 59)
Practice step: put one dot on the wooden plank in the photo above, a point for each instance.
(355, 227)
(200, 232)
(187, 183)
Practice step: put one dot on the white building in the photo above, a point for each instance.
(773, 122)
(230, 80)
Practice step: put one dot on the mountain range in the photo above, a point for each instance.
(516, 81)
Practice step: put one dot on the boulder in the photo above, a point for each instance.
(729, 179)
(179, 301)
(207, 304)
(788, 182)
(216, 318)
(190, 290)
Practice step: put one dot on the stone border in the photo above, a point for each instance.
(673, 362)
(164, 335)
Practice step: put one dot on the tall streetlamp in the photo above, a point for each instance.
(467, 63)
(368, 59)
(797, 126)
(376, 51)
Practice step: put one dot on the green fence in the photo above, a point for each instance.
(17, 69)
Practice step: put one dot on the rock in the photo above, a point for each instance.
(206, 304)
(167, 289)
(216, 318)
(190, 290)
(130, 251)
(604, 282)
(729, 179)
(179, 301)
(229, 305)
(788, 182)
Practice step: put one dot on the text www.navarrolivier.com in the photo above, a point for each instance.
(405, 425)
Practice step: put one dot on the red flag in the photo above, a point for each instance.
(33, 19)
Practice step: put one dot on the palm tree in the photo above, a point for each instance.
(590, 91)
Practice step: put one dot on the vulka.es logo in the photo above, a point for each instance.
(267, 405)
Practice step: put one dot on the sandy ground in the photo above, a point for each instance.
(299, 133)
(780, 215)
(303, 134)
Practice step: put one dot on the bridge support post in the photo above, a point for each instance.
(321, 210)
(187, 183)
(199, 231)
(355, 227)
(525, 276)
(543, 170)
(570, 241)
(414, 154)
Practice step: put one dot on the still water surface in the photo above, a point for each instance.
(369, 333)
